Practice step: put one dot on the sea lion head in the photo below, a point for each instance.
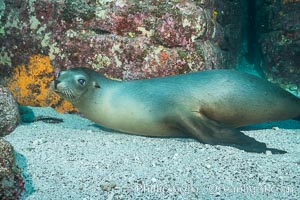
(72, 84)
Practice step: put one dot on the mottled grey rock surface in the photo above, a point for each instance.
(11, 182)
(9, 112)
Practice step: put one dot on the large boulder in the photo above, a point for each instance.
(9, 112)
(11, 182)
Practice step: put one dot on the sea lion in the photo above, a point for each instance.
(205, 105)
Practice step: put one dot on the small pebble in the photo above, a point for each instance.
(108, 186)
(208, 166)
(154, 180)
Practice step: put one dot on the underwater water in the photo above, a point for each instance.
(66, 156)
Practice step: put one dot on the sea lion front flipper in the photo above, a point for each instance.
(212, 132)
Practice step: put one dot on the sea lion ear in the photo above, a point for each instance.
(96, 85)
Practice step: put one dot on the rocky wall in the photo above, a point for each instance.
(11, 181)
(278, 30)
(120, 38)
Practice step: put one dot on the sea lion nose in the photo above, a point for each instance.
(56, 82)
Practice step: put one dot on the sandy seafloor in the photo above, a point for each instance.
(78, 160)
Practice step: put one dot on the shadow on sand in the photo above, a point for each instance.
(28, 187)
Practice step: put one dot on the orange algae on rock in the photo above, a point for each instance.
(30, 85)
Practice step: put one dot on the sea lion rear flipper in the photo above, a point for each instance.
(212, 132)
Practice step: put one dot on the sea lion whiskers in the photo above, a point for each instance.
(71, 94)
(68, 93)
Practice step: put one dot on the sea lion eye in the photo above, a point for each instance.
(81, 81)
